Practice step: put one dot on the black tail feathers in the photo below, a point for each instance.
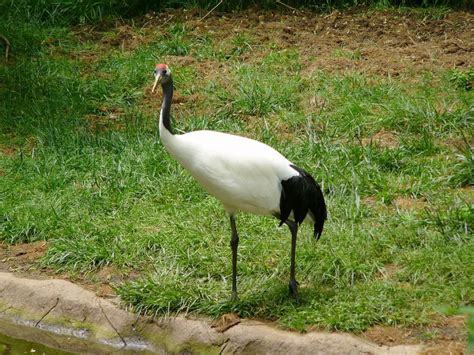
(319, 212)
(302, 194)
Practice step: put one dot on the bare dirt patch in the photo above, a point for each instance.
(370, 201)
(382, 42)
(448, 336)
(388, 271)
(389, 42)
(23, 257)
(14, 147)
(389, 335)
(8, 150)
(225, 322)
(107, 119)
(386, 42)
(406, 203)
(400, 202)
(460, 144)
(382, 139)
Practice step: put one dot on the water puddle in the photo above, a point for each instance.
(17, 338)
(13, 346)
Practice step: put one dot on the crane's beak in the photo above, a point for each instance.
(158, 78)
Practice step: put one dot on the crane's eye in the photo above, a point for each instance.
(155, 72)
(164, 72)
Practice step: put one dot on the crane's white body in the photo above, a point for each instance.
(244, 174)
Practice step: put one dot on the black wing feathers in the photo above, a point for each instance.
(301, 194)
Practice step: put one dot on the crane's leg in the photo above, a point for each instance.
(234, 243)
(293, 284)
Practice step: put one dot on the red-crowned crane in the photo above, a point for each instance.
(244, 175)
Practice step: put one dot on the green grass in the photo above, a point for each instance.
(87, 173)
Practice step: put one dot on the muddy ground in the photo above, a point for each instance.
(390, 43)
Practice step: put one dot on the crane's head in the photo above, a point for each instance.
(162, 74)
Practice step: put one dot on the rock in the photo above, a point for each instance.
(256, 338)
(60, 314)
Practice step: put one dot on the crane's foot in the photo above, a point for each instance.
(234, 296)
(293, 287)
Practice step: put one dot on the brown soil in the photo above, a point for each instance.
(386, 42)
(8, 150)
(225, 322)
(24, 260)
(405, 203)
(380, 42)
(382, 139)
(448, 336)
(399, 203)
(107, 119)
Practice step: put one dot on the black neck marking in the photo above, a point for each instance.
(166, 106)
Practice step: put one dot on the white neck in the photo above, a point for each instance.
(166, 137)
(173, 143)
